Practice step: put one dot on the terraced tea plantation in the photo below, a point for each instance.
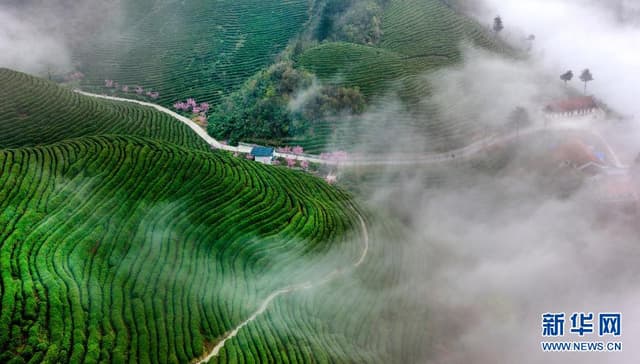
(123, 238)
(420, 37)
(198, 49)
(34, 111)
(208, 50)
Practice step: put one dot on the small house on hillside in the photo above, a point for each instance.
(264, 155)
(574, 107)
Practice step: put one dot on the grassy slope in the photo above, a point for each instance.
(193, 49)
(420, 36)
(198, 49)
(34, 111)
(361, 317)
(131, 247)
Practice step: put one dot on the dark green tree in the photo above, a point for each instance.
(497, 24)
(566, 77)
(586, 77)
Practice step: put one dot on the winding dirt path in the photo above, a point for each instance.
(378, 160)
(406, 159)
(190, 123)
(291, 289)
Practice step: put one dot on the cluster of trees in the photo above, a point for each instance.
(192, 105)
(333, 100)
(585, 77)
(262, 108)
(354, 21)
(198, 111)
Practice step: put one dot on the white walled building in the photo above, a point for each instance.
(264, 155)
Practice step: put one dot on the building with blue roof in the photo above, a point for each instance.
(264, 155)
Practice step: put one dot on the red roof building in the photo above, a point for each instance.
(574, 106)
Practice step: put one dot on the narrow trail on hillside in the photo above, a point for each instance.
(291, 289)
(406, 159)
(380, 160)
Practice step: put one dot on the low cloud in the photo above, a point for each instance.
(576, 34)
(29, 47)
(491, 249)
(41, 36)
(487, 87)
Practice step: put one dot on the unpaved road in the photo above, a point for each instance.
(408, 159)
(375, 160)
(291, 289)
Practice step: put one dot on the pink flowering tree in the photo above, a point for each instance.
(198, 111)
(291, 162)
(108, 83)
(125, 88)
(297, 150)
(304, 164)
(181, 106)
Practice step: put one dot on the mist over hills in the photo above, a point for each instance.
(125, 236)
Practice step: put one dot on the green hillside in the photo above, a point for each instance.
(34, 111)
(402, 42)
(418, 36)
(217, 51)
(200, 49)
(121, 248)
(123, 238)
